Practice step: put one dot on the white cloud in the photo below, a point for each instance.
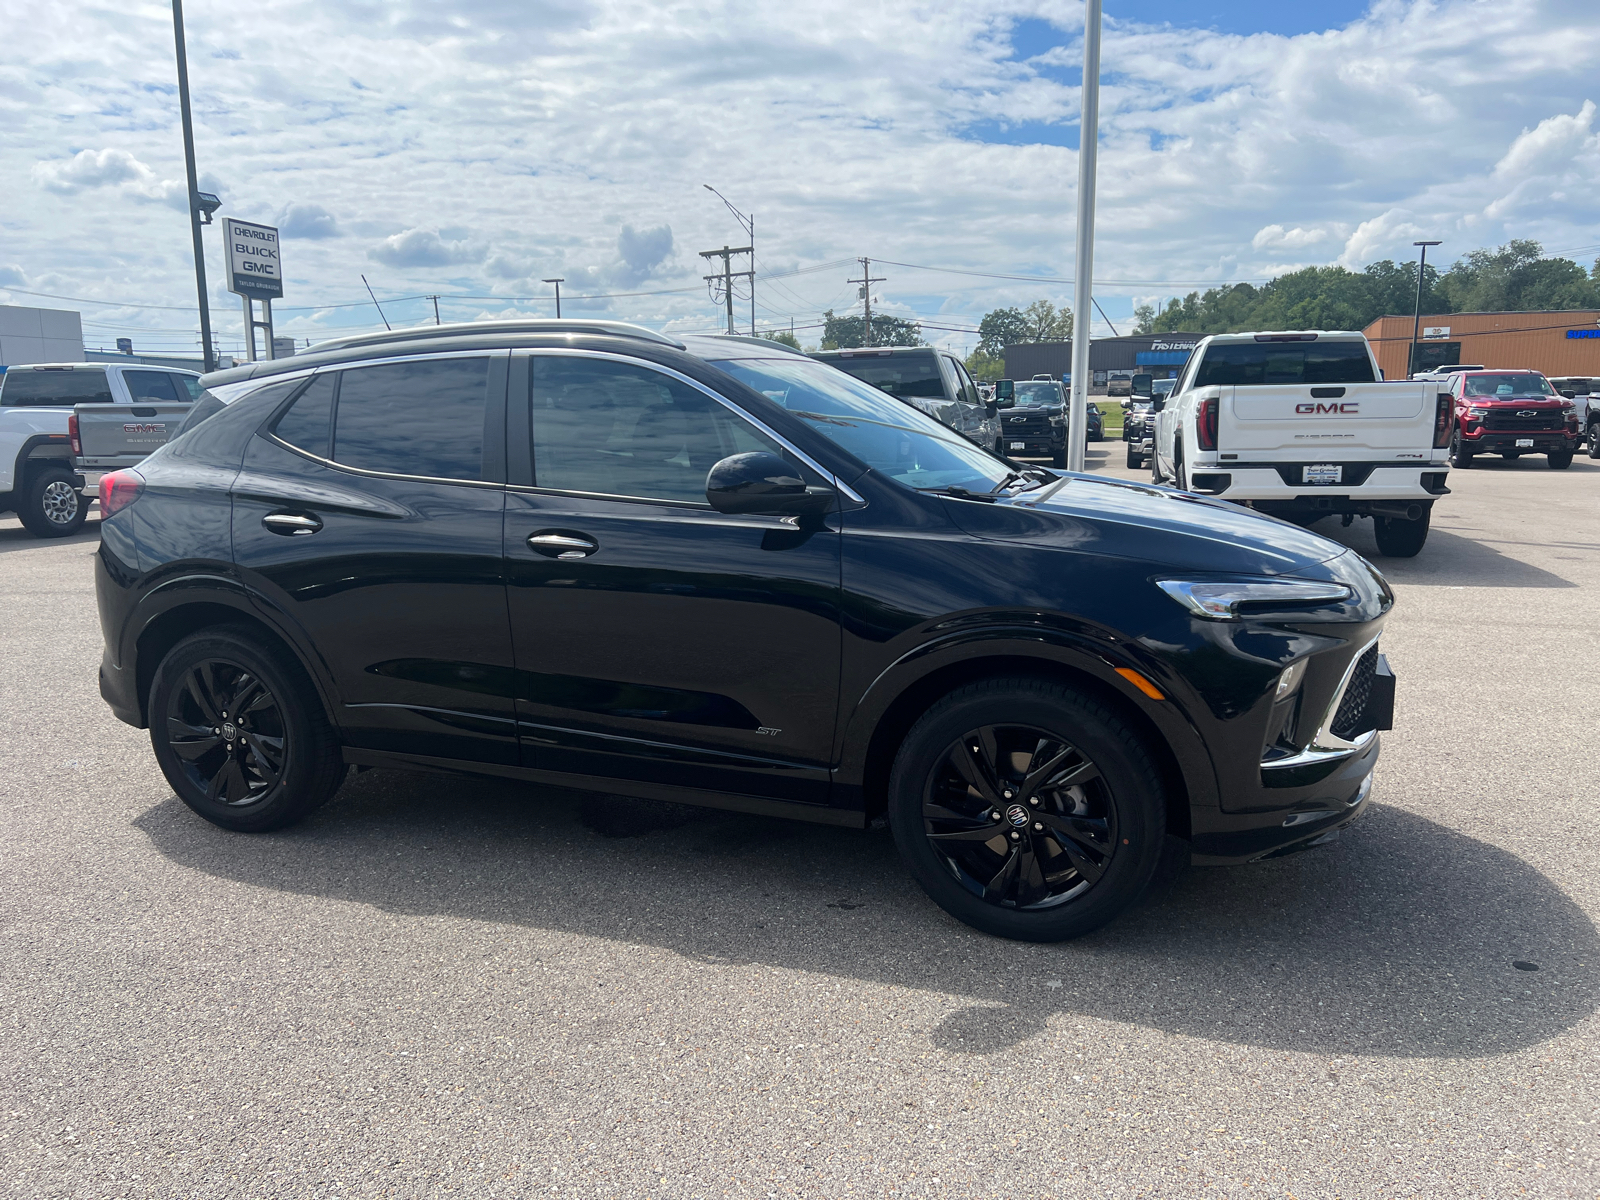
(307, 221)
(424, 248)
(1277, 237)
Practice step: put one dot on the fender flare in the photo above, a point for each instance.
(219, 590)
(1049, 648)
(32, 443)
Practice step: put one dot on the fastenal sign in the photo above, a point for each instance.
(254, 267)
(1431, 332)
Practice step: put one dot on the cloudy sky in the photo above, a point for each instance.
(471, 150)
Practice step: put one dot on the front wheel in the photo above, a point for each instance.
(1399, 538)
(1135, 461)
(1459, 455)
(1027, 810)
(1559, 460)
(1058, 459)
(50, 506)
(239, 732)
(1594, 440)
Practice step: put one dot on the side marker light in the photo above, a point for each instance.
(1140, 682)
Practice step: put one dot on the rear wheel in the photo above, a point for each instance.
(49, 505)
(1594, 440)
(1559, 460)
(1027, 810)
(1399, 538)
(239, 732)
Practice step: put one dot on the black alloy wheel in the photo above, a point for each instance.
(1594, 440)
(1026, 809)
(239, 733)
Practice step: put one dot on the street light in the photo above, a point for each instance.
(558, 283)
(748, 224)
(1083, 276)
(199, 202)
(1416, 315)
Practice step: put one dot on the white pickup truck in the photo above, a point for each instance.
(41, 478)
(1300, 425)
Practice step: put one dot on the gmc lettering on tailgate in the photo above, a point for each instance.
(1347, 408)
(144, 429)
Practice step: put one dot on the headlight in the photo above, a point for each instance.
(1229, 601)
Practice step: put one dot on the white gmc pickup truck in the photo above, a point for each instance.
(1300, 425)
(41, 479)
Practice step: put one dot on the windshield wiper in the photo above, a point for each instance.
(961, 493)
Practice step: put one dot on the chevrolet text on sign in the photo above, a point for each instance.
(254, 268)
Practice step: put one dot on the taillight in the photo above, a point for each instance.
(118, 490)
(1206, 424)
(72, 434)
(1441, 422)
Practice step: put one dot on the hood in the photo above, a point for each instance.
(1538, 400)
(1167, 529)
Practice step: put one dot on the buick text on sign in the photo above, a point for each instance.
(254, 266)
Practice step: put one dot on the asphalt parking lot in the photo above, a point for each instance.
(450, 986)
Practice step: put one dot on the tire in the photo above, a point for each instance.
(1594, 440)
(283, 760)
(1031, 880)
(1058, 459)
(1559, 460)
(1134, 461)
(49, 506)
(1399, 538)
(1179, 479)
(1459, 458)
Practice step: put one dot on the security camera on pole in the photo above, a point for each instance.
(255, 272)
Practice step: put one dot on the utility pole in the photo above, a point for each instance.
(749, 226)
(558, 283)
(1083, 279)
(866, 281)
(728, 276)
(194, 190)
(435, 300)
(1416, 314)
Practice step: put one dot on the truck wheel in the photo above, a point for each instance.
(1560, 460)
(49, 506)
(1027, 809)
(1594, 440)
(1460, 457)
(1134, 461)
(1399, 538)
(1058, 460)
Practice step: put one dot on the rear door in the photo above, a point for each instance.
(368, 517)
(657, 640)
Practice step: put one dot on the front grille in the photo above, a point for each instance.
(1351, 718)
(1510, 420)
(1026, 425)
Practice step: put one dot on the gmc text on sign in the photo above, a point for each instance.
(254, 266)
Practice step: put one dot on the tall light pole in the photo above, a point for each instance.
(558, 283)
(1083, 277)
(1416, 315)
(194, 190)
(748, 224)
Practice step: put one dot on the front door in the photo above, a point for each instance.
(657, 641)
(370, 517)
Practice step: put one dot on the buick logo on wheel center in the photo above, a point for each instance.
(1017, 815)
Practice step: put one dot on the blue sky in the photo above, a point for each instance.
(472, 148)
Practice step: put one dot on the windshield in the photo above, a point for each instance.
(1038, 395)
(1523, 383)
(1162, 387)
(895, 439)
(1242, 364)
(905, 375)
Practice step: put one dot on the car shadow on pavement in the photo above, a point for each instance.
(1447, 560)
(14, 537)
(1401, 938)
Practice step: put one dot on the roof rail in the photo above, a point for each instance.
(525, 325)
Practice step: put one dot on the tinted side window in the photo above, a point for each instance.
(151, 387)
(622, 430)
(220, 437)
(27, 388)
(308, 423)
(188, 385)
(415, 418)
(905, 375)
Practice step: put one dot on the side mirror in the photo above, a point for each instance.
(1005, 393)
(1570, 395)
(1143, 386)
(763, 483)
(1157, 403)
(991, 408)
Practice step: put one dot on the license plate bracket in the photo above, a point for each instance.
(1525, 442)
(1322, 474)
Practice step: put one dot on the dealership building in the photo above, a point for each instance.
(1160, 354)
(1556, 343)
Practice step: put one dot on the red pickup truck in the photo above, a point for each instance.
(1511, 413)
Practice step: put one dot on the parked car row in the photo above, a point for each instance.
(717, 571)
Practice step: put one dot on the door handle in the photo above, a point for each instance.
(562, 545)
(291, 524)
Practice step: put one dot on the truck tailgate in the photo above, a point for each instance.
(113, 435)
(1358, 420)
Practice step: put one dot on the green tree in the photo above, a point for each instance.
(982, 365)
(849, 333)
(1001, 328)
(781, 335)
(1045, 324)
(1144, 319)
(1515, 277)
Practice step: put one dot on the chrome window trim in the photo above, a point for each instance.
(329, 369)
(565, 352)
(1325, 744)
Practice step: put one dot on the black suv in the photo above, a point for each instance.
(718, 572)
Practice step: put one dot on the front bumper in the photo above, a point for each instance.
(1031, 444)
(1498, 442)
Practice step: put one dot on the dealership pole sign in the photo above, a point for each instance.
(255, 272)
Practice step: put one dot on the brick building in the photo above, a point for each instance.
(1557, 343)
